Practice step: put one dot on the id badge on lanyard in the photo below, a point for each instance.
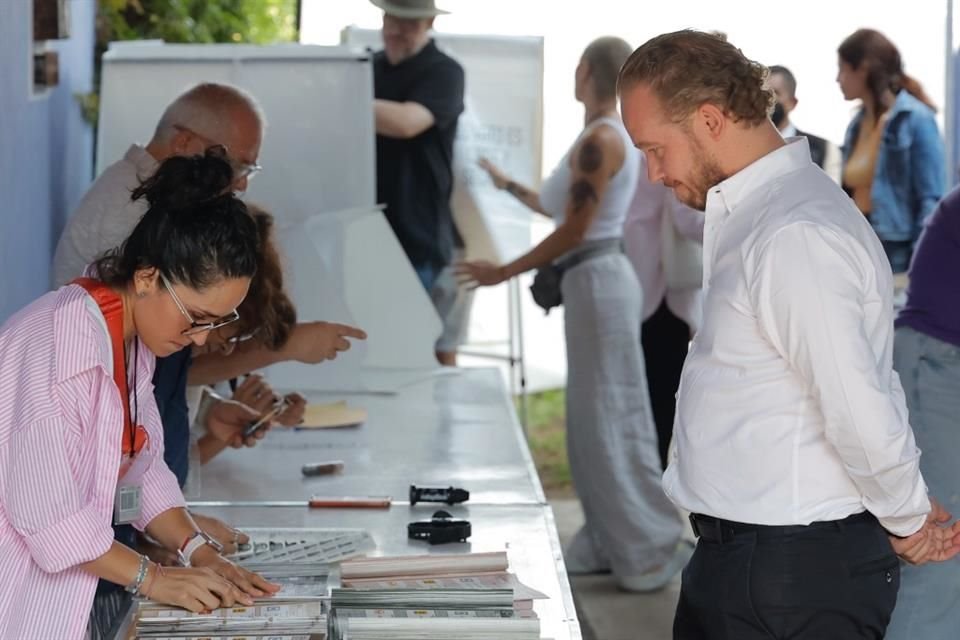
(127, 504)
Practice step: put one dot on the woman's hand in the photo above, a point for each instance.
(195, 589)
(228, 537)
(248, 582)
(479, 274)
(293, 414)
(228, 419)
(255, 393)
(500, 179)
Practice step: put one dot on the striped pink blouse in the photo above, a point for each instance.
(61, 424)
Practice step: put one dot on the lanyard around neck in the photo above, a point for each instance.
(112, 308)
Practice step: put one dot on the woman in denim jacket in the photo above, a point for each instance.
(893, 159)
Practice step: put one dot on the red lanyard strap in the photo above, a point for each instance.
(112, 308)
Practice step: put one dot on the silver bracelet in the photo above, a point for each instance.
(134, 587)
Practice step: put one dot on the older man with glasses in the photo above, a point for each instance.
(207, 115)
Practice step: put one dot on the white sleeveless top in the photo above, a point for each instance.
(613, 206)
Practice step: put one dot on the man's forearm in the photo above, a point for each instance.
(211, 368)
(401, 119)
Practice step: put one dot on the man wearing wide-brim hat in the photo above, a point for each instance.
(419, 98)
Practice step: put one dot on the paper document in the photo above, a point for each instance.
(430, 565)
(332, 416)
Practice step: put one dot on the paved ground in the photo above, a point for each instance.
(605, 612)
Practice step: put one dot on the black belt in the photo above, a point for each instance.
(710, 529)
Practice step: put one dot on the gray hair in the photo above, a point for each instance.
(208, 109)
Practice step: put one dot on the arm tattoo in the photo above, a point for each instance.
(590, 157)
(517, 190)
(582, 195)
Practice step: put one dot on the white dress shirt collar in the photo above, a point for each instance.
(795, 154)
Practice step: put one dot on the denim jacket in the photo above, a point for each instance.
(910, 175)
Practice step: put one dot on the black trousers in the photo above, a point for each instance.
(664, 337)
(826, 581)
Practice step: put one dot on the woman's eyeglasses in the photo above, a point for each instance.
(198, 327)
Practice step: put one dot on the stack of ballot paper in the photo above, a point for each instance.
(275, 617)
(433, 565)
(428, 614)
(344, 628)
(434, 613)
(474, 571)
(297, 579)
(421, 598)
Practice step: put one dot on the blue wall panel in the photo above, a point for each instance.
(45, 149)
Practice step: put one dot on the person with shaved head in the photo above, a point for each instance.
(207, 114)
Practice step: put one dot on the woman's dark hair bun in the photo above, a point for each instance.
(195, 231)
(184, 181)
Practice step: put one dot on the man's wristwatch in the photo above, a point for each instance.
(193, 542)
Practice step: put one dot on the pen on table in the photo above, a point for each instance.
(322, 468)
(350, 502)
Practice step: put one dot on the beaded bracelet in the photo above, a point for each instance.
(134, 587)
(150, 579)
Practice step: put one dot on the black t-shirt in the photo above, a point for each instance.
(415, 176)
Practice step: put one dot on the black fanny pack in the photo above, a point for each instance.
(546, 283)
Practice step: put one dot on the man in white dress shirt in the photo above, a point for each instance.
(794, 454)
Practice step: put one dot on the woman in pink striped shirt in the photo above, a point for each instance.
(66, 444)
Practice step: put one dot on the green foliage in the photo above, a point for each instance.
(546, 434)
(198, 21)
(89, 106)
(188, 22)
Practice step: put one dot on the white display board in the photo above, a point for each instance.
(318, 151)
(503, 121)
(342, 260)
(348, 267)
